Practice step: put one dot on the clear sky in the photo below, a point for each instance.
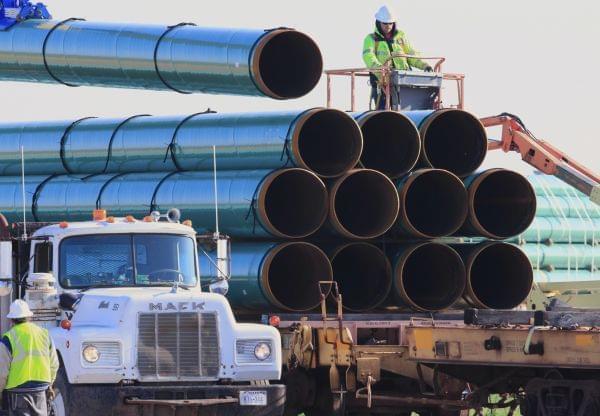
(538, 59)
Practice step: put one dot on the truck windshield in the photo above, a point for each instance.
(127, 260)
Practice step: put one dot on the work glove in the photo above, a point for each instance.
(428, 68)
(50, 393)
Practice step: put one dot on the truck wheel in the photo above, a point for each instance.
(62, 390)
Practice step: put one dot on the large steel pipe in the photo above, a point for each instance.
(279, 63)
(428, 276)
(502, 204)
(326, 141)
(288, 203)
(562, 230)
(363, 274)
(453, 140)
(391, 142)
(12, 205)
(363, 203)
(499, 275)
(271, 276)
(433, 203)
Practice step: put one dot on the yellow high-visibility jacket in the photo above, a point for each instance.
(376, 51)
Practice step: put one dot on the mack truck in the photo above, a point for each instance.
(134, 331)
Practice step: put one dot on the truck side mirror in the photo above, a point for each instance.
(6, 268)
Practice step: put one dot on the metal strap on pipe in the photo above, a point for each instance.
(286, 141)
(173, 143)
(114, 134)
(99, 198)
(158, 185)
(36, 195)
(251, 54)
(252, 207)
(165, 33)
(63, 139)
(54, 77)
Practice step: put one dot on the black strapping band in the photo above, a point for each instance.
(114, 134)
(99, 198)
(165, 33)
(173, 143)
(45, 45)
(158, 185)
(63, 140)
(36, 196)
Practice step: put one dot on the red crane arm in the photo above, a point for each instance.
(542, 155)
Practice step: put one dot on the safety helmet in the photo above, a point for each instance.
(385, 15)
(19, 309)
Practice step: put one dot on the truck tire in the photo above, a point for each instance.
(62, 391)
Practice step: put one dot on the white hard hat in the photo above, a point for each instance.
(385, 15)
(19, 309)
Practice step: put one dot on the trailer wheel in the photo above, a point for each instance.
(62, 390)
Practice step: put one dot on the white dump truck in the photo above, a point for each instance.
(134, 330)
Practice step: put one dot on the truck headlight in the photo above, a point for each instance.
(101, 354)
(253, 351)
(262, 351)
(91, 354)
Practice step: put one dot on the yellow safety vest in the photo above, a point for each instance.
(31, 352)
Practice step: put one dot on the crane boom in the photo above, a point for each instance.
(542, 155)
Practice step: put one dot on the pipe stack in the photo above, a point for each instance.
(563, 241)
(358, 189)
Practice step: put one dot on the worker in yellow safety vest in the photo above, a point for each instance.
(377, 49)
(28, 363)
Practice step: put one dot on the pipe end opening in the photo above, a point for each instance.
(504, 203)
(293, 274)
(363, 274)
(365, 204)
(328, 142)
(391, 143)
(456, 141)
(501, 276)
(294, 203)
(433, 277)
(435, 203)
(289, 64)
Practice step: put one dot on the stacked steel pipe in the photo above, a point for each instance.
(357, 188)
(370, 193)
(563, 241)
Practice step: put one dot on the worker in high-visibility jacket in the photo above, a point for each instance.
(377, 49)
(28, 363)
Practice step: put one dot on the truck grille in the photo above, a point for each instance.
(178, 345)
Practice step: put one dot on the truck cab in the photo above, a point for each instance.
(123, 303)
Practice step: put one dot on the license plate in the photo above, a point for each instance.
(253, 398)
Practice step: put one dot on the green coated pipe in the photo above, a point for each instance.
(566, 206)
(561, 230)
(563, 256)
(326, 141)
(286, 203)
(272, 276)
(280, 63)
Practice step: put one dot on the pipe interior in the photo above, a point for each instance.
(391, 143)
(433, 276)
(366, 204)
(290, 64)
(501, 276)
(363, 274)
(455, 141)
(294, 274)
(330, 142)
(436, 203)
(504, 204)
(296, 203)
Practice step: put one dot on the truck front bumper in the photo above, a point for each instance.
(177, 399)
